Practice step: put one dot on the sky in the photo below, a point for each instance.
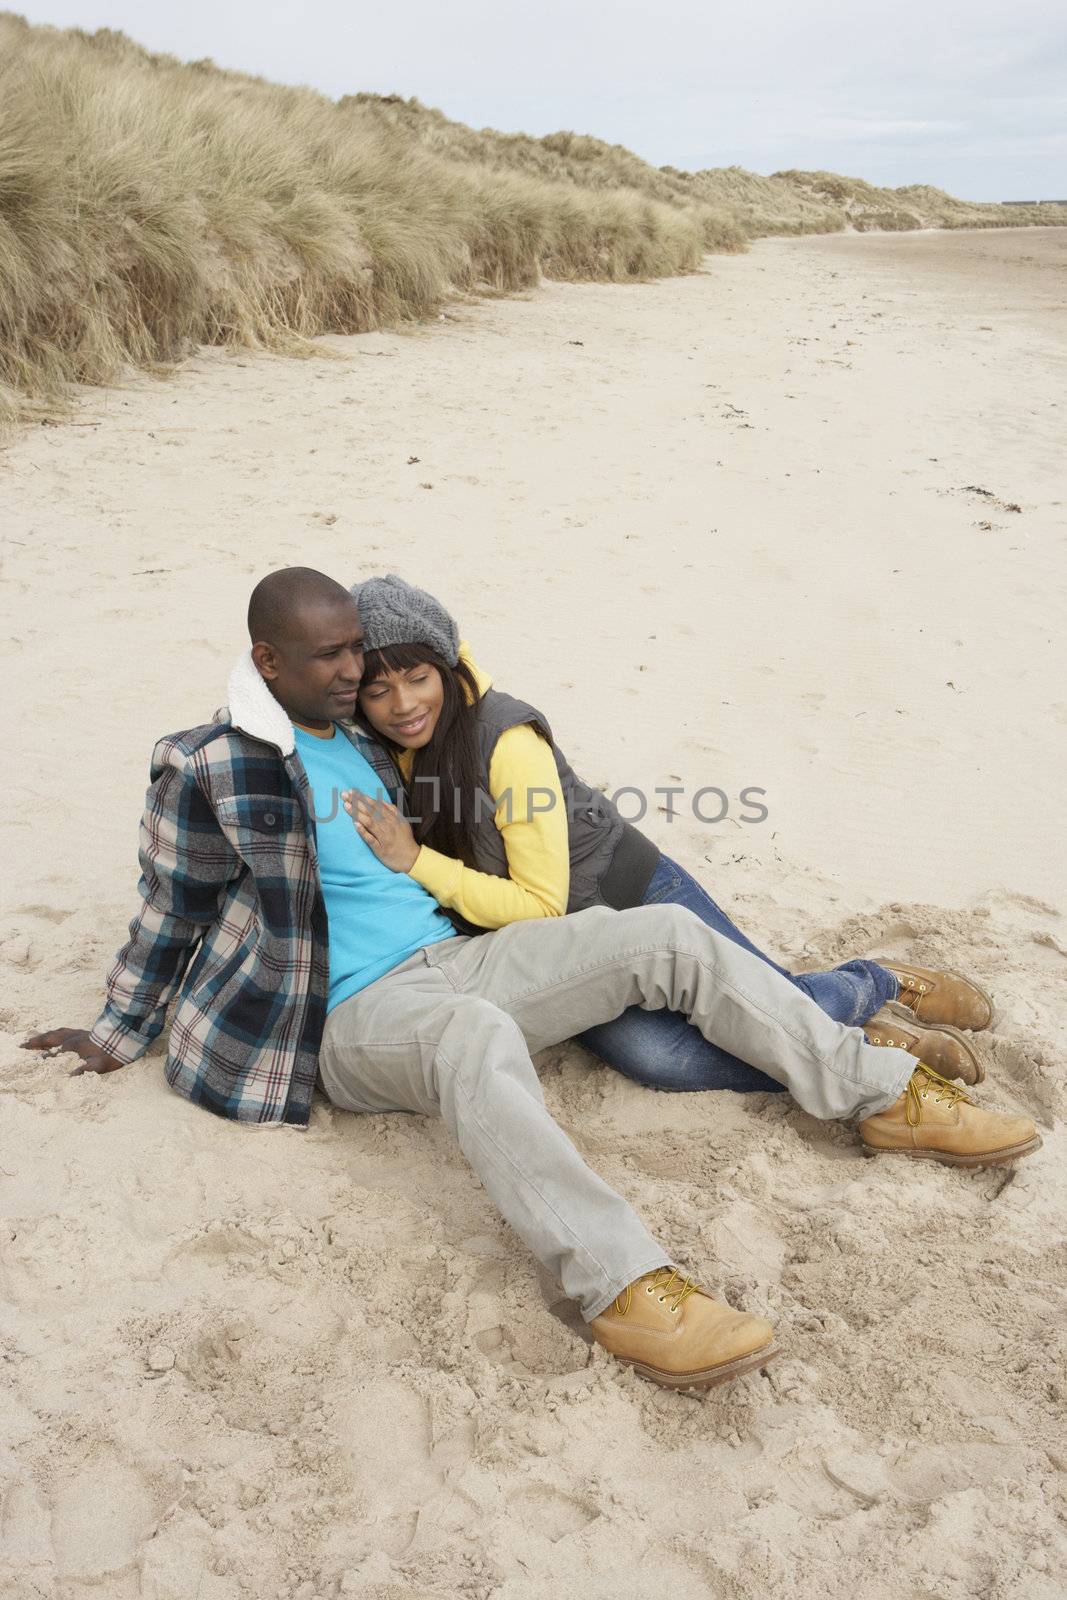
(970, 95)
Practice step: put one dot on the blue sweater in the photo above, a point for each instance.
(378, 918)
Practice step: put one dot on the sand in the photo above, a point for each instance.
(795, 523)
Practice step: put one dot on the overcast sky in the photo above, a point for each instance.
(970, 95)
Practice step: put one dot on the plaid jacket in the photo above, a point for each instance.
(232, 920)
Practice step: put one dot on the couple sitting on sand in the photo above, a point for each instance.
(311, 934)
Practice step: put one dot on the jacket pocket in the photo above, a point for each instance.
(267, 832)
(260, 813)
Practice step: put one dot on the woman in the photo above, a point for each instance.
(503, 829)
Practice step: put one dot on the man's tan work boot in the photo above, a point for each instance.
(669, 1330)
(944, 1049)
(933, 1120)
(942, 997)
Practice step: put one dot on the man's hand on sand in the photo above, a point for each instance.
(73, 1041)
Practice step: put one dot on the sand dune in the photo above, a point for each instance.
(795, 522)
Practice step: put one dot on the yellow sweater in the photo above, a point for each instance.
(537, 846)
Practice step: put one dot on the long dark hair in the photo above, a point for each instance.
(446, 775)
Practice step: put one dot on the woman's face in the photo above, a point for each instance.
(404, 706)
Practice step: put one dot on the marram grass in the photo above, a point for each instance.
(148, 206)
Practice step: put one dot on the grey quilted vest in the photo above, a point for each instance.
(611, 862)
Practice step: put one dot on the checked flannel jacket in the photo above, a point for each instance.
(232, 920)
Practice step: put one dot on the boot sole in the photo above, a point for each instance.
(947, 1158)
(707, 1377)
(911, 1021)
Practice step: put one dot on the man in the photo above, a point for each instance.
(313, 957)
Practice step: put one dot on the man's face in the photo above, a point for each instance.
(313, 671)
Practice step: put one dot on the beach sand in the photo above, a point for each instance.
(793, 524)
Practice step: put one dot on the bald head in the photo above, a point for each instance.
(307, 644)
(275, 611)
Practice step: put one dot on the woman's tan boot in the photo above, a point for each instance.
(942, 996)
(945, 1049)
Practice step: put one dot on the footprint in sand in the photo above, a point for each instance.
(551, 1513)
(26, 1554)
(49, 1259)
(403, 1479)
(196, 1262)
(102, 1516)
(546, 1351)
(899, 933)
(926, 1475)
(45, 913)
(409, 1483)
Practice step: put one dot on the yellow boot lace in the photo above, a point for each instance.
(663, 1280)
(948, 1093)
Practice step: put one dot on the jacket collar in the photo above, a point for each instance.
(254, 710)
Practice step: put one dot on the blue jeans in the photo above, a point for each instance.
(664, 1051)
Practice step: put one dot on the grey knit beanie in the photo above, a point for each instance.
(394, 612)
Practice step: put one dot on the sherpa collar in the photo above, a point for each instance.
(254, 710)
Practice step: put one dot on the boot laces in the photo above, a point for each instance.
(910, 984)
(948, 1093)
(670, 1283)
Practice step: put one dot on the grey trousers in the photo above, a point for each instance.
(450, 1033)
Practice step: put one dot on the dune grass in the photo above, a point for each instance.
(865, 207)
(733, 201)
(148, 206)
